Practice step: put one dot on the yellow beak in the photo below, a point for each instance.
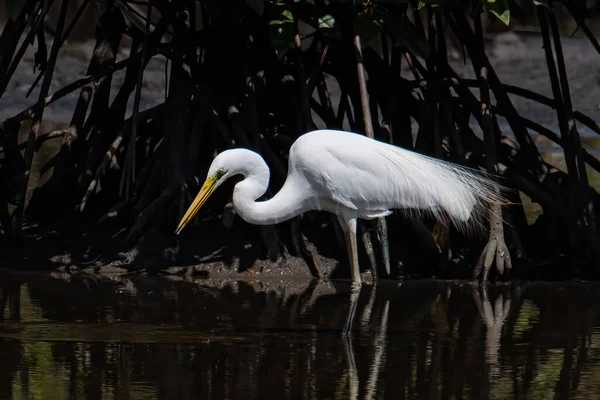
(207, 188)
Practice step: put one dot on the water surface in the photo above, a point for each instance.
(92, 337)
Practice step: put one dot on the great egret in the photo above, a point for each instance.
(351, 176)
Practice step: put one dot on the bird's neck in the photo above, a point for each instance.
(282, 207)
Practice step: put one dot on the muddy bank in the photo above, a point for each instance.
(215, 253)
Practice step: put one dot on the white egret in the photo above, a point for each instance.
(351, 176)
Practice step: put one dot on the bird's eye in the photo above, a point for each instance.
(220, 172)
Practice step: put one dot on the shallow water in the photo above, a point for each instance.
(94, 337)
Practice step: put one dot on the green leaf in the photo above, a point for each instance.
(500, 9)
(13, 8)
(284, 17)
(421, 4)
(257, 5)
(282, 30)
(326, 22)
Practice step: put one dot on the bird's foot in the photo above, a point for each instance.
(496, 249)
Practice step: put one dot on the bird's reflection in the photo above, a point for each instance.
(493, 318)
(378, 361)
(352, 371)
(354, 295)
(378, 343)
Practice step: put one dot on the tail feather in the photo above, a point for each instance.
(451, 193)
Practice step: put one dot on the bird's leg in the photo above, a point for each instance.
(366, 238)
(353, 380)
(382, 234)
(348, 225)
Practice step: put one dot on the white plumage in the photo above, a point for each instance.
(352, 176)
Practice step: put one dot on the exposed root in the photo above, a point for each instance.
(302, 250)
(366, 239)
(382, 234)
(271, 241)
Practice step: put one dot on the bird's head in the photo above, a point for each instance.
(225, 165)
